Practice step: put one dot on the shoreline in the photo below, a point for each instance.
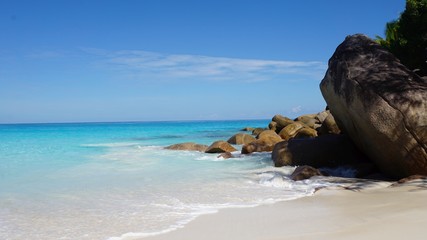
(392, 212)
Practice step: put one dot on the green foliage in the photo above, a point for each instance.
(391, 33)
(406, 37)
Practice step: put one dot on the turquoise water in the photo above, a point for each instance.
(116, 180)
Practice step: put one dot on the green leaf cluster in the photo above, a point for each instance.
(406, 37)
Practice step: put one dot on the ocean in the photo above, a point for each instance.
(116, 180)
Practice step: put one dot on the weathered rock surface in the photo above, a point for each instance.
(309, 120)
(320, 117)
(329, 126)
(265, 142)
(322, 151)
(290, 131)
(257, 131)
(241, 139)
(306, 133)
(258, 146)
(281, 122)
(305, 172)
(220, 147)
(297, 130)
(248, 129)
(269, 135)
(272, 126)
(380, 104)
(188, 146)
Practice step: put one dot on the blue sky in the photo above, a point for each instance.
(129, 60)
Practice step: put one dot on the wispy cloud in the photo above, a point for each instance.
(296, 109)
(153, 65)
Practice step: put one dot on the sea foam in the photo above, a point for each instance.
(70, 181)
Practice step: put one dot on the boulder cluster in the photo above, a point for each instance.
(376, 120)
(316, 141)
(265, 139)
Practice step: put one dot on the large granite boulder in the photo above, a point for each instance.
(322, 151)
(188, 146)
(241, 138)
(220, 147)
(380, 104)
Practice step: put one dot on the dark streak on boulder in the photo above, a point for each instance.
(380, 104)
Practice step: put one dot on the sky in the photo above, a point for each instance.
(167, 60)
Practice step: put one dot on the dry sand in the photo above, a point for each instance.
(356, 213)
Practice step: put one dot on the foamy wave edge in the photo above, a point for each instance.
(211, 210)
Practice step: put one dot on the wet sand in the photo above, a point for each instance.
(354, 213)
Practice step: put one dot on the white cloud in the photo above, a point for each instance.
(296, 109)
(152, 65)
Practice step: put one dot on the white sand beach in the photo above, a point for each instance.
(358, 213)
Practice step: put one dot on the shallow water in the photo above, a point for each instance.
(116, 181)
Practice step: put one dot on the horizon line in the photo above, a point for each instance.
(134, 121)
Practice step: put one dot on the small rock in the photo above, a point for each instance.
(188, 146)
(226, 155)
(305, 172)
